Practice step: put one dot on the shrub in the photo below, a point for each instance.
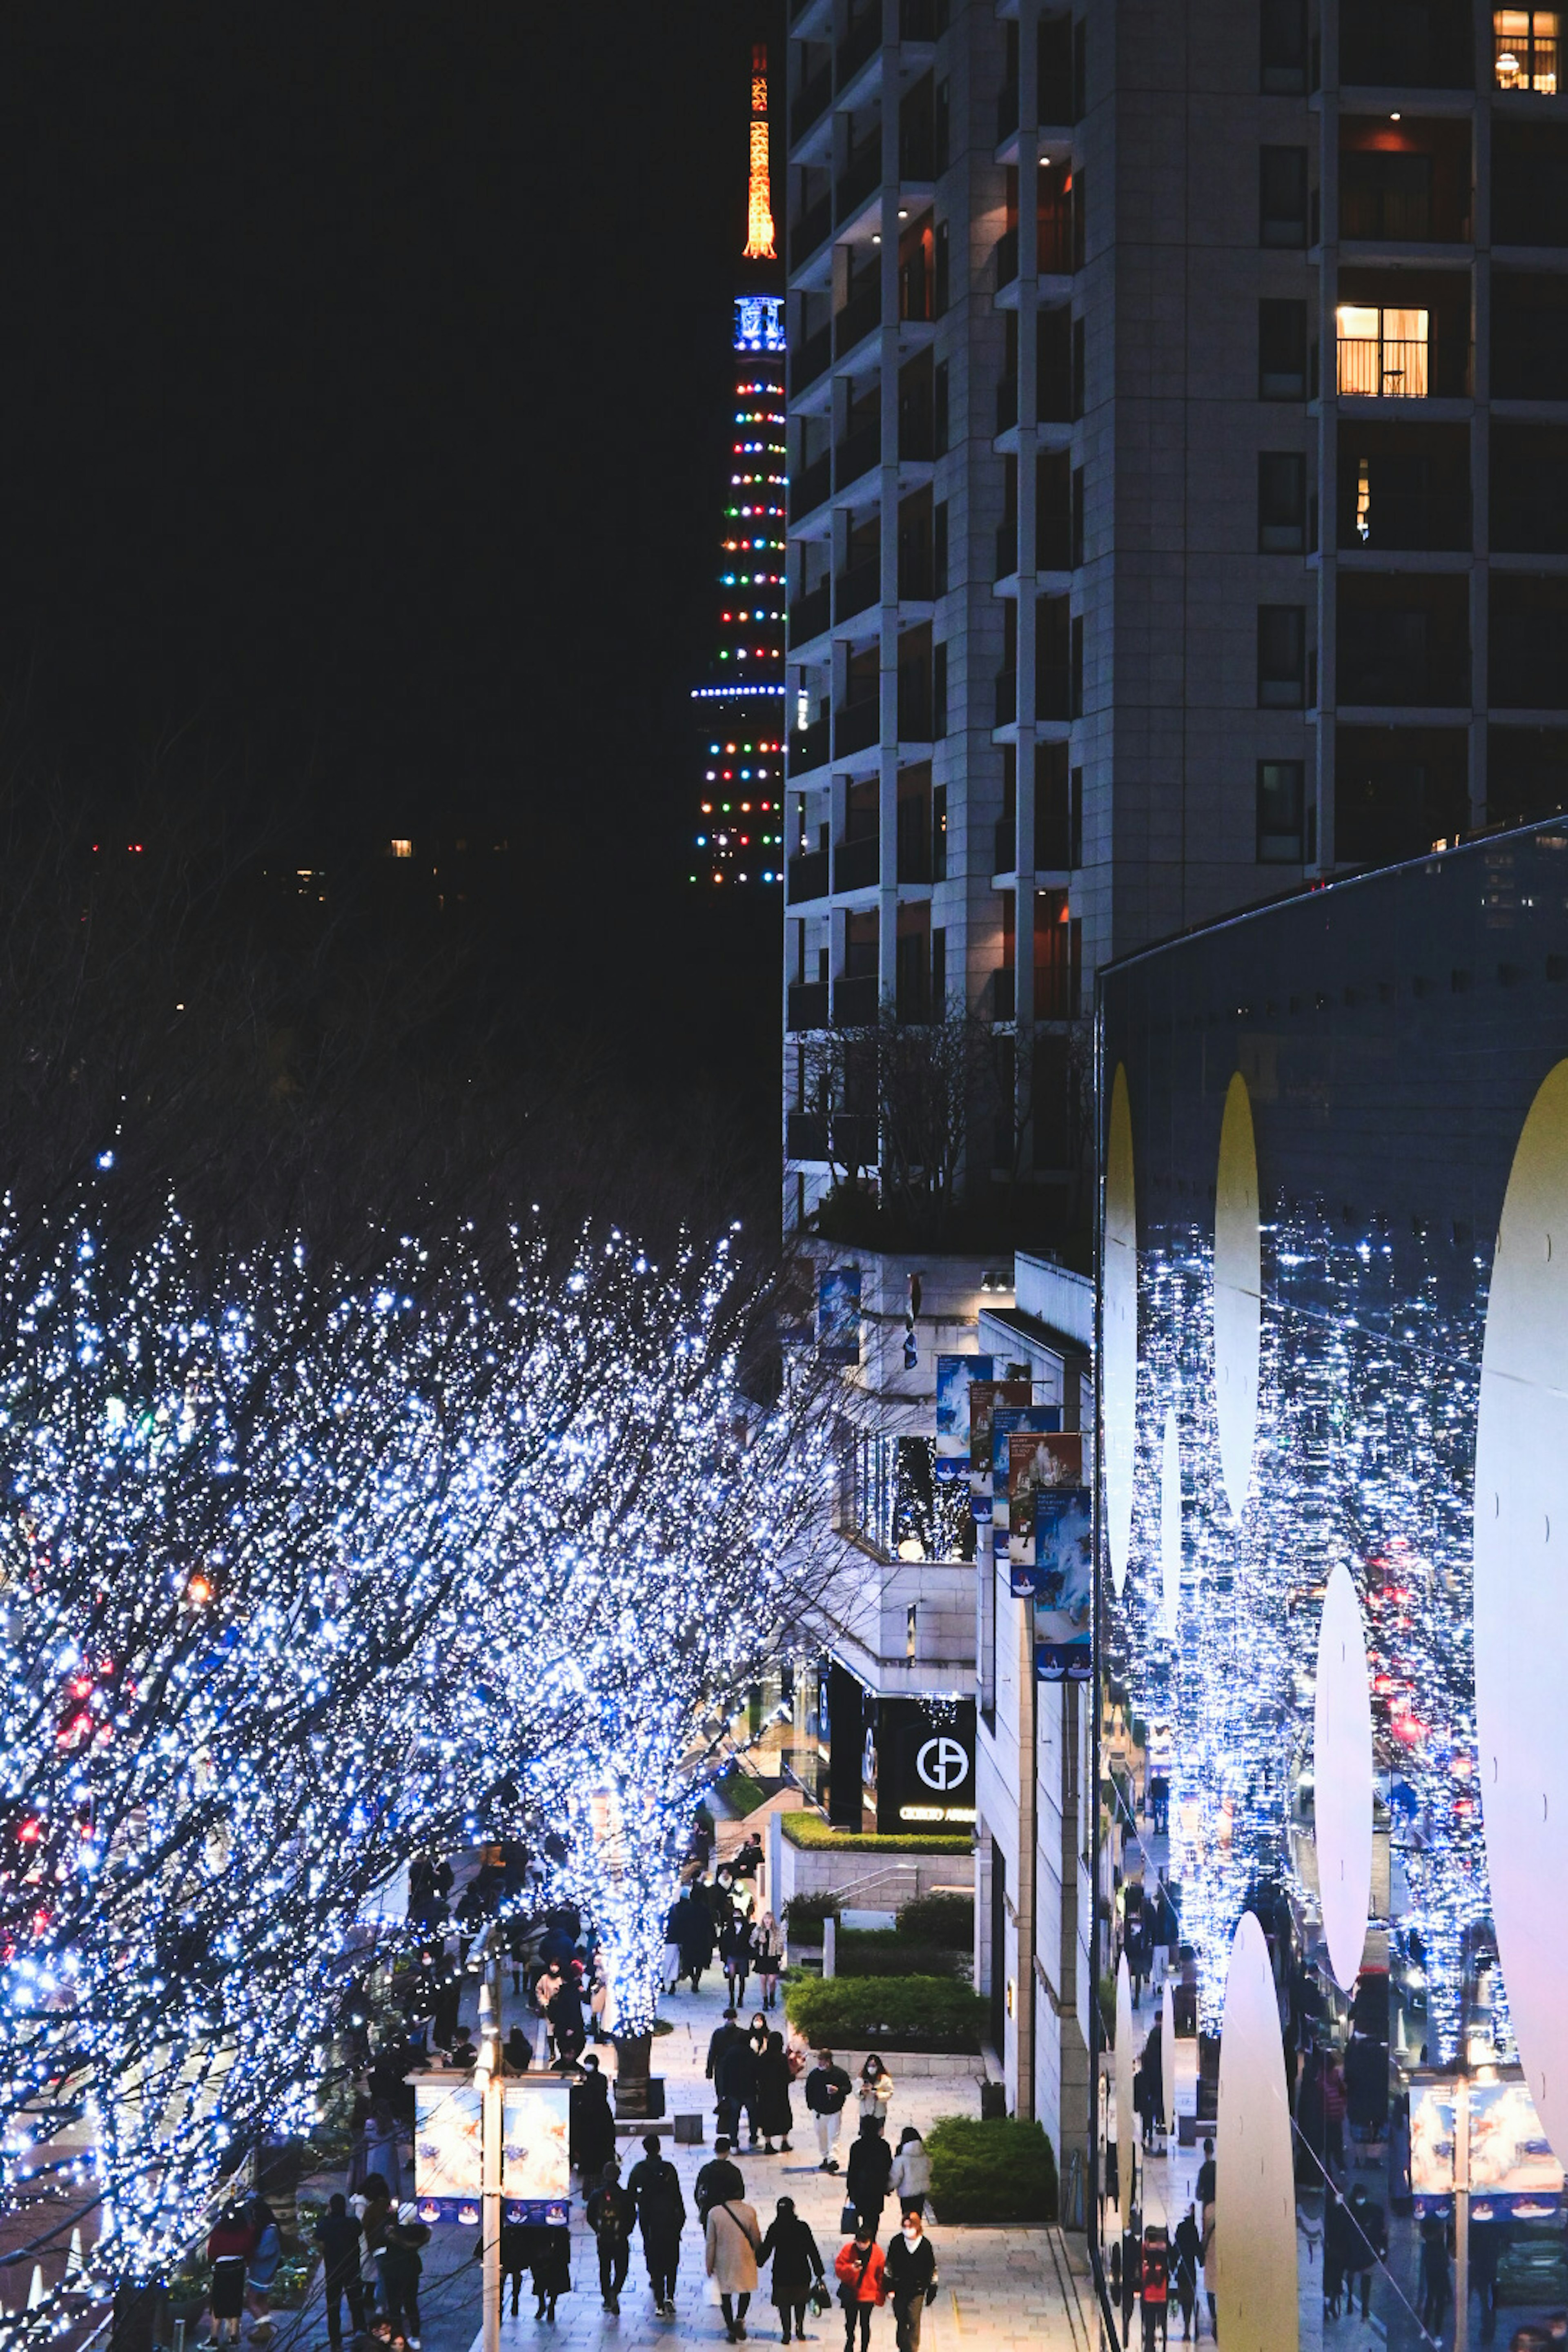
(742, 1793)
(947, 1920)
(804, 1914)
(884, 1952)
(817, 1836)
(900, 2012)
(1003, 2170)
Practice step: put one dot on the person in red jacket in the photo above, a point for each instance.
(1155, 2287)
(859, 2267)
(230, 2244)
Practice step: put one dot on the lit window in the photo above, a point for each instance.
(1383, 354)
(1524, 49)
(401, 848)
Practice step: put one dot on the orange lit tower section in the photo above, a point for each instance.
(740, 835)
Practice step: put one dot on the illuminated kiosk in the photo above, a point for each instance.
(740, 708)
(1337, 1153)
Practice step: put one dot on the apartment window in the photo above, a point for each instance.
(1524, 49)
(1281, 812)
(1283, 48)
(939, 308)
(1281, 656)
(939, 405)
(1281, 351)
(1282, 196)
(939, 549)
(1281, 502)
(1383, 353)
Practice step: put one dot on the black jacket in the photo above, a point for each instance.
(792, 2249)
(611, 2212)
(717, 2181)
(826, 2089)
(866, 2180)
(735, 2075)
(655, 2185)
(338, 2236)
(909, 2271)
(719, 2041)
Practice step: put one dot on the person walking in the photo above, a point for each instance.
(876, 2090)
(338, 2235)
(723, 2038)
(1434, 2275)
(1209, 2250)
(859, 2267)
(401, 2270)
(1154, 2286)
(909, 2178)
(719, 2178)
(769, 1946)
(735, 1951)
(1366, 2243)
(654, 2186)
(870, 2166)
(546, 1985)
(908, 2274)
(732, 2240)
(674, 1935)
(828, 2091)
(774, 2112)
(611, 2212)
(697, 1940)
(735, 2081)
(1189, 2251)
(516, 2259)
(567, 2030)
(384, 2148)
(797, 2267)
(261, 2268)
(591, 2124)
(230, 2242)
(552, 2251)
(375, 2212)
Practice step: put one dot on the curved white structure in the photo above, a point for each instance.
(1342, 1777)
(1126, 2130)
(1255, 2192)
(1237, 1295)
(1521, 1597)
(1118, 1330)
(1170, 1524)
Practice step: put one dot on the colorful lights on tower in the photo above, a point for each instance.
(740, 835)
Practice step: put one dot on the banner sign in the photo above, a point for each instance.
(985, 1396)
(1037, 1461)
(1513, 2174)
(1063, 1575)
(1007, 1421)
(839, 1314)
(925, 1766)
(449, 2152)
(953, 1375)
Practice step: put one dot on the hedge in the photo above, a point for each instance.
(1003, 2170)
(804, 1915)
(817, 1836)
(886, 1952)
(947, 1920)
(742, 1793)
(903, 2012)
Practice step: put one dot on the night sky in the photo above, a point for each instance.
(363, 395)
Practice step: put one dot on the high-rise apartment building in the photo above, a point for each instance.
(1178, 415)
(740, 710)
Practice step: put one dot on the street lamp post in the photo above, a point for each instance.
(487, 2081)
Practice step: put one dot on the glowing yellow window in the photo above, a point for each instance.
(1383, 353)
(1524, 49)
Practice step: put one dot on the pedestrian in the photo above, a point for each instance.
(827, 2089)
(374, 2211)
(1434, 2274)
(747, 1862)
(1155, 2284)
(797, 2267)
(591, 2123)
(1487, 2241)
(1209, 2251)
(876, 2090)
(1334, 2114)
(338, 2235)
(674, 1935)
(858, 2266)
(654, 2186)
(768, 1943)
(727, 2110)
(697, 1944)
(1189, 2250)
(773, 2111)
(551, 2266)
(384, 2148)
(400, 2273)
(1205, 2177)
(230, 2246)
(519, 2052)
(908, 2274)
(261, 2268)
(567, 2030)
(719, 2178)
(735, 1951)
(870, 2164)
(732, 2240)
(611, 2212)
(516, 2257)
(1366, 2243)
(546, 1985)
(909, 2178)
(1336, 2246)
(735, 2080)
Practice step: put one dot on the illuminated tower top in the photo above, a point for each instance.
(758, 246)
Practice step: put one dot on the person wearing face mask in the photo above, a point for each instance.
(909, 2277)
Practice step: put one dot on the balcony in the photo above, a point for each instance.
(810, 614)
(860, 314)
(914, 710)
(1007, 550)
(854, 1001)
(1006, 403)
(856, 727)
(1385, 663)
(805, 1134)
(860, 178)
(1053, 691)
(863, 39)
(917, 584)
(917, 20)
(806, 1004)
(1007, 699)
(811, 103)
(916, 432)
(810, 361)
(1004, 854)
(1373, 366)
(857, 453)
(1003, 993)
(1006, 258)
(1416, 519)
(806, 876)
(857, 589)
(811, 486)
(1524, 49)
(808, 748)
(856, 865)
(810, 231)
(1056, 992)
